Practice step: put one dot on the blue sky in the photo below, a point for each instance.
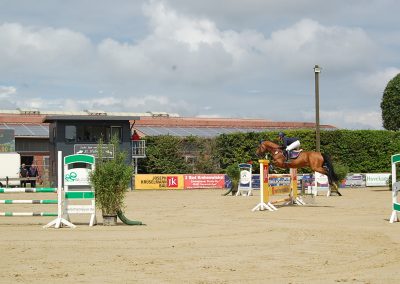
(220, 58)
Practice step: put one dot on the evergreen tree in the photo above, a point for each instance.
(390, 104)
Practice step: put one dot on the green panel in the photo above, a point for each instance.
(79, 158)
(49, 214)
(50, 201)
(396, 206)
(46, 189)
(8, 214)
(396, 158)
(79, 195)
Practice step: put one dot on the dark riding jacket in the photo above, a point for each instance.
(288, 140)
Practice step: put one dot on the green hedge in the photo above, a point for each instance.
(360, 150)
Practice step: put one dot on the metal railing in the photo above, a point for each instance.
(139, 149)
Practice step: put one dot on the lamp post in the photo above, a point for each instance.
(317, 70)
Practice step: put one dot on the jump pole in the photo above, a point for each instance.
(265, 190)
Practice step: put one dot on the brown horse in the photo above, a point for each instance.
(318, 162)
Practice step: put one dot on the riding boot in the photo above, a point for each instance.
(287, 156)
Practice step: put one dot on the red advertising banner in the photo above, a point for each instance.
(205, 181)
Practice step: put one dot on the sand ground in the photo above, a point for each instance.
(200, 236)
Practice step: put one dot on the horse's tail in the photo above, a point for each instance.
(332, 177)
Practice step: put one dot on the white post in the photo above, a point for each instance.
(57, 223)
(393, 217)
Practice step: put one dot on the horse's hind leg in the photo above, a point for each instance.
(333, 185)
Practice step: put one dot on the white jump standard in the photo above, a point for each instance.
(245, 186)
(395, 189)
(76, 188)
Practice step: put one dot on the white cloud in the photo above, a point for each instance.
(184, 49)
(349, 118)
(375, 83)
(32, 49)
(6, 91)
(307, 42)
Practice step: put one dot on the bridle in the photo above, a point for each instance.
(273, 151)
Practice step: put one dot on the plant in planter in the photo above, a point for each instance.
(341, 171)
(110, 180)
(233, 173)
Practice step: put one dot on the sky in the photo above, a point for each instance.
(209, 58)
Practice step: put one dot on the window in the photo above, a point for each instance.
(70, 133)
(92, 133)
(116, 130)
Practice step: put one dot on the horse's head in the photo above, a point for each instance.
(265, 146)
(260, 149)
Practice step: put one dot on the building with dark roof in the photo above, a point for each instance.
(31, 127)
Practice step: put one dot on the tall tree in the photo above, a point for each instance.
(164, 156)
(390, 104)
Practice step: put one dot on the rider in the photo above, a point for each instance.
(289, 144)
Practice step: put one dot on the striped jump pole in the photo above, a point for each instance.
(18, 201)
(57, 223)
(28, 214)
(40, 201)
(28, 190)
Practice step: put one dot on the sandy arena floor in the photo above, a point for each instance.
(200, 236)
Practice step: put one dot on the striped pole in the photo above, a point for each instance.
(28, 190)
(27, 214)
(57, 223)
(41, 201)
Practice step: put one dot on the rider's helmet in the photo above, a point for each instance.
(281, 134)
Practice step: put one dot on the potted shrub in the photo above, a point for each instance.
(233, 173)
(341, 171)
(110, 179)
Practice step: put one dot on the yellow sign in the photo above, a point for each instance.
(159, 181)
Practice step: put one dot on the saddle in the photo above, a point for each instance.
(294, 154)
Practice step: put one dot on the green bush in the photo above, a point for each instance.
(362, 151)
(341, 171)
(111, 179)
(233, 172)
(390, 104)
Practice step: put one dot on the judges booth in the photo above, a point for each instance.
(79, 134)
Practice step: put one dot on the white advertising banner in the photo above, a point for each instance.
(77, 176)
(381, 179)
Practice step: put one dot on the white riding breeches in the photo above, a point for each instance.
(294, 145)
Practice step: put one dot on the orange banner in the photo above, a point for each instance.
(143, 181)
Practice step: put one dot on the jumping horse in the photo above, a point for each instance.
(318, 162)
